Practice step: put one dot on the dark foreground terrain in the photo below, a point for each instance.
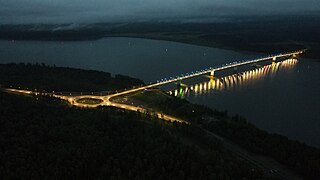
(46, 139)
(42, 137)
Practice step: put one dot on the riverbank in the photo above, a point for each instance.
(253, 36)
(237, 129)
(201, 116)
(56, 122)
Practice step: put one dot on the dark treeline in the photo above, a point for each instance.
(273, 30)
(267, 35)
(46, 139)
(297, 156)
(51, 78)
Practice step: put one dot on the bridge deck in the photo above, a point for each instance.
(106, 99)
(222, 67)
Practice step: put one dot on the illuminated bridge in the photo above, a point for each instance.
(234, 80)
(227, 66)
(105, 100)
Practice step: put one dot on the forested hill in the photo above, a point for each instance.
(297, 156)
(44, 139)
(51, 78)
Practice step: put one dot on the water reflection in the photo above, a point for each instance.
(231, 82)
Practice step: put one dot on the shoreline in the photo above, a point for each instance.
(191, 39)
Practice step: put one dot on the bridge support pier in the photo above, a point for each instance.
(274, 60)
(212, 73)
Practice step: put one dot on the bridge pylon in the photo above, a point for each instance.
(212, 73)
(274, 58)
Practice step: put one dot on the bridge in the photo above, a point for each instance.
(227, 66)
(106, 100)
(229, 81)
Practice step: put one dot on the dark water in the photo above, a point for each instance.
(285, 100)
(148, 60)
(282, 98)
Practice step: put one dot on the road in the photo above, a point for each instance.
(106, 100)
(262, 162)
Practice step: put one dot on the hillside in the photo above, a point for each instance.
(51, 78)
(44, 136)
(45, 139)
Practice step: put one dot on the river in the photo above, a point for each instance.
(285, 100)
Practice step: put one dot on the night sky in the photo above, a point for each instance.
(84, 11)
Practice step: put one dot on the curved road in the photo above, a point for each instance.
(106, 100)
(283, 173)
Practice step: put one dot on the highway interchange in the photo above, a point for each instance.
(106, 100)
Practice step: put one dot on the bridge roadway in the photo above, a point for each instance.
(106, 100)
(259, 161)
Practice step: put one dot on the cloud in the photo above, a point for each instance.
(69, 11)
